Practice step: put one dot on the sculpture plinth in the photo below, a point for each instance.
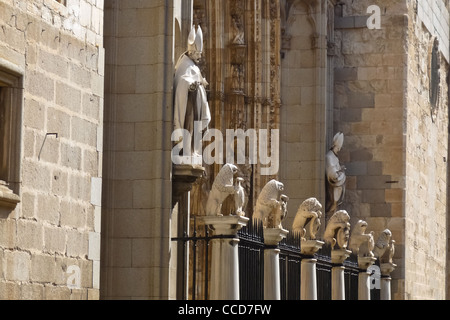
(308, 282)
(272, 237)
(337, 273)
(224, 225)
(184, 176)
(310, 247)
(224, 255)
(365, 262)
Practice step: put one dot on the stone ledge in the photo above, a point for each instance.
(8, 199)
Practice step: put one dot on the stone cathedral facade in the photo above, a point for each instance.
(90, 202)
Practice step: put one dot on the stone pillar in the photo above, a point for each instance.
(385, 283)
(308, 285)
(224, 256)
(272, 238)
(184, 176)
(364, 277)
(337, 273)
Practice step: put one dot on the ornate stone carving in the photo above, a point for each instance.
(271, 206)
(337, 231)
(382, 243)
(362, 243)
(384, 250)
(307, 220)
(385, 247)
(279, 214)
(222, 187)
(240, 198)
(335, 176)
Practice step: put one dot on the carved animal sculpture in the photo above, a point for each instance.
(389, 255)
(239, 197)
(382, 243)
(307, 220)
(337, 229)
(222, 187)
(278, 214)
(268, 201)
(361, 242)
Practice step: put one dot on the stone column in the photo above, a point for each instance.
(385, 283)
(272, 238)
(224, 256)
(364, 277)
(184, 176)
(308, 285)
(337, 273)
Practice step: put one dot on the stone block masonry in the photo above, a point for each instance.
(50, 244)
(394, 148)
(369, 81)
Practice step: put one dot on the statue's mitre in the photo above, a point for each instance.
(338, 140)
(195, 41)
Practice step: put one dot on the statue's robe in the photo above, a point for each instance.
(335, 180)
(188, 73)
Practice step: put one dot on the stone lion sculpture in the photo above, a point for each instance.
(269, 203)
(307, 220)
(222, 187)
(384, 246)
(361, 242)
(338, 230)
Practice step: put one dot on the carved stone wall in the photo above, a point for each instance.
(242, 66)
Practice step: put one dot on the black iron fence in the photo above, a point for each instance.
(251, 266)
(251, 261)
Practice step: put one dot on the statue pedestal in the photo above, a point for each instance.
(385, 282)
(337, 273)
(364, 277)
(308, 288)
(184, 176)
(224, 255)
(272, 237)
